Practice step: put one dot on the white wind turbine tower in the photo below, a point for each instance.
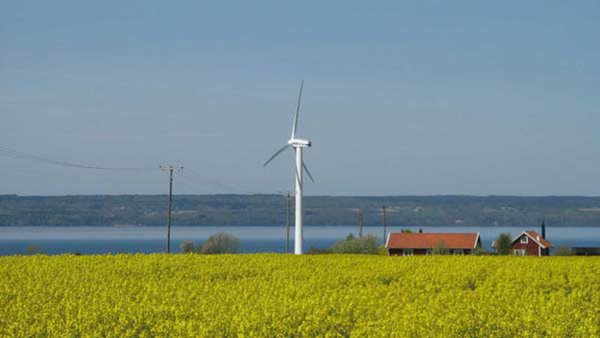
(297, 144)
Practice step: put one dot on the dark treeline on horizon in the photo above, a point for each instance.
(410, 211)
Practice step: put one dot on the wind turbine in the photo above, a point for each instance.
(298, 145)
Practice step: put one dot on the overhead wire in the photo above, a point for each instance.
(184, 175)
(7, 152)
(224, 187)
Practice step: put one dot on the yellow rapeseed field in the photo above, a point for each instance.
(271, 295)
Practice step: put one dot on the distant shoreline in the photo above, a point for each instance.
(292, 225)
(270, 210)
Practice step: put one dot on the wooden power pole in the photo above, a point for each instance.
(360, 223)
(384, 224)
(170, 169)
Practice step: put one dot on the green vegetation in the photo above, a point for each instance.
(562, 251)
(403, 211)
(480, 251)
(188, 246)
(357, 245)
(503, 244)
(440, 249)
(220, 243)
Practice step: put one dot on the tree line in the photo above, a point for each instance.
(406, 211)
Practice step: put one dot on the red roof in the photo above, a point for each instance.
(400, 240)
(535, 236)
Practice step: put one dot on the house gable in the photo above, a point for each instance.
(530, 243)
(532, 236)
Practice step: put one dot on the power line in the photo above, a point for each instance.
(7, 152)
(224, 187)
(191, 176)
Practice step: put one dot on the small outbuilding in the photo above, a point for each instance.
(409, 244)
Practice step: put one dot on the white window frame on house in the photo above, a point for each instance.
(407, 252)
(524, 239)
(458, 252)
(519, 252)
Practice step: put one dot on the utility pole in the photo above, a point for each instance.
(360, 223)
(170, 169)
(384, 223)
(288, 198)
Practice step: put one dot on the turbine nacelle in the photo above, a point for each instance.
(299, 143)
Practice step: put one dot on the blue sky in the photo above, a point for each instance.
(419, 97)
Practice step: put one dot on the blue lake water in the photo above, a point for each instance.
(100, 239)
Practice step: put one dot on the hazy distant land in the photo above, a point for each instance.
(320, 210)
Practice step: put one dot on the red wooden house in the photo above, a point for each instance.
(530, 243)
(408, 244)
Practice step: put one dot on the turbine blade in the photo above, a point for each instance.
(295, 126)
(307, 172)
(275, 155)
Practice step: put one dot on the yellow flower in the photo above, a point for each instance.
(271, 295)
